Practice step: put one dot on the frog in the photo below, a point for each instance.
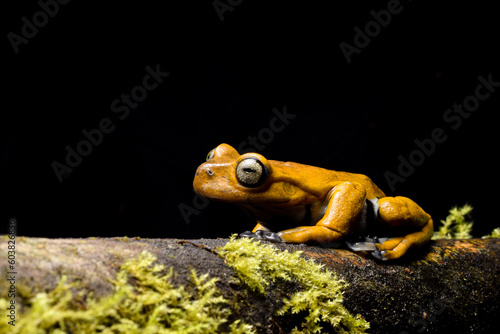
(303, 204)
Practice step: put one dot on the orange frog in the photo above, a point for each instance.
(296, 203)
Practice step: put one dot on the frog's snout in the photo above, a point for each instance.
(204, 169)
(202, 177)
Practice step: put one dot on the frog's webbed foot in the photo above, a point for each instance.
(369, 244)
(247, 234)
(263, 235)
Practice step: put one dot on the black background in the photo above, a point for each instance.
(226, 77)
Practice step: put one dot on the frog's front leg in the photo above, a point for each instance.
(344, 210)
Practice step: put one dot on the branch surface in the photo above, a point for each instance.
(452, 285)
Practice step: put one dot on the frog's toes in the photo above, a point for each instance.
(391, 249)
(263, 235)
(380, 255)
(257, 235)
(361, 246)
(369, 244)
(260, 234)
(247, 234)
(272, 236)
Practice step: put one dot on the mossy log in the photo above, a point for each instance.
(452, 285)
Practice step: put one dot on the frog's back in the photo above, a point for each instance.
(319, 181)
(372, 191)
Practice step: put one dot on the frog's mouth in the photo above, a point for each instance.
(218, 194)
(239, 197)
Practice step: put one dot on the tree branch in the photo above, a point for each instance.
(452, 285)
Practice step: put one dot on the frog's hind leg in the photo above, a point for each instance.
(402, 212)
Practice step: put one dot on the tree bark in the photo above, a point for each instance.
(452, 285)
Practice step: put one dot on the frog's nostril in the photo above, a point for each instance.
(210, 172)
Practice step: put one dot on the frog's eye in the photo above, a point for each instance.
(210, 154)
(250, 172)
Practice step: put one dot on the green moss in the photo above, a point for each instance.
(320, 294)
(456, 225)
(494, 234)
(144, 301)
